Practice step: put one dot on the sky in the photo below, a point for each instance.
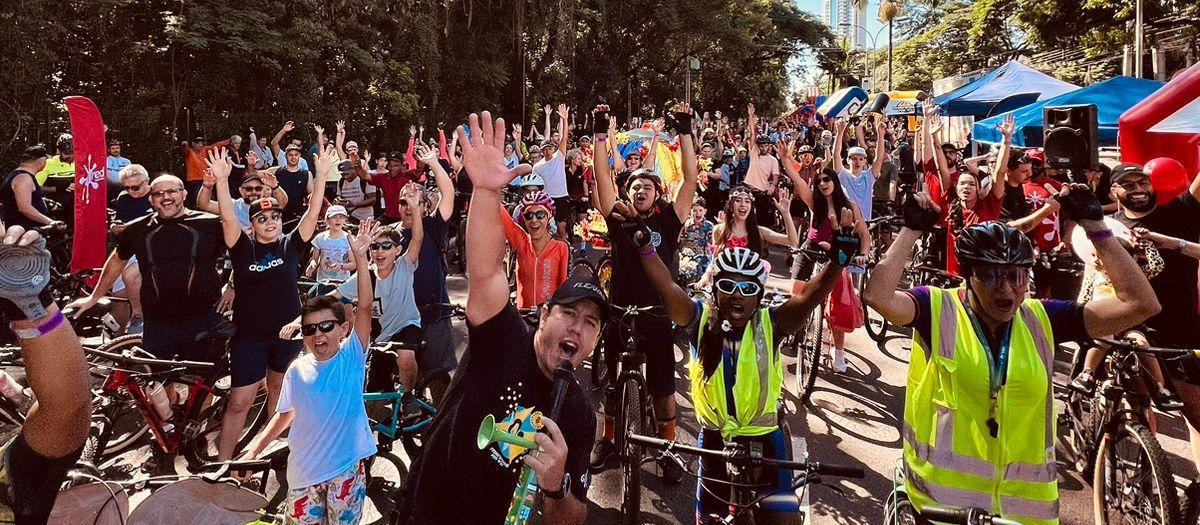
(874, 27)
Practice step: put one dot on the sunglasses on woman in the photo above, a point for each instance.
(325, 327)
(268, 217)
(531, 215)
(385, 245)
(995, 277)
(745, 288)
(821, 180)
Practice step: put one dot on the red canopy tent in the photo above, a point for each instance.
(1166, 124)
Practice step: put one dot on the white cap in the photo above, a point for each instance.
(351, 144)
(856, 150)
(336, 209)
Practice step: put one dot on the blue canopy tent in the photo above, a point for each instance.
(1111, 97)
(1006, 88)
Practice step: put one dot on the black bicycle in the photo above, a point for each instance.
(806, 342)
(752, 501)
(1191, 509)
(1107, 438)
(877, 329)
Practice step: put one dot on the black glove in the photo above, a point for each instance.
(24, 276)
(600, 119)
(915, 216)
(1081, 204)
(635, 228)
(682, 122)
(844, 247)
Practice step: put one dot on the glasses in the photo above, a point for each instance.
(745, 288)
(822, 180)
(325, 327)
(995, 277)
(252, 188)
(385, 245)
(165, 193)
(531, 215)
(1134, 184)
(133, 188)
(264, 218)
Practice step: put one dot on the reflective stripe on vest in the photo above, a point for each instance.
(758, 382)
(1014, 473)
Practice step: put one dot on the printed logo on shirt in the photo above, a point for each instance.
(266, 263)
(655, 238)
(523, 422)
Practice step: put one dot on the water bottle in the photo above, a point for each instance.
(158, 396)
(11, 389)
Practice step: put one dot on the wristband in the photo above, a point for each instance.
(1182, 246)
(648, 253)
(41, 329)
(601, 140)
(1100, 234)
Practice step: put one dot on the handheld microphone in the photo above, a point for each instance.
(564, 374)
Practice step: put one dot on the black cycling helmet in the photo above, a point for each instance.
(763, 139)
(993, 243)
(65, 143)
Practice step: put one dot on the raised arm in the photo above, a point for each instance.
(316, 196)
(204, 196)
(548, 113)
(368, 232)
(691, 166)
(880, 127)
(675, 299)
(792, 314)
(444, 185)
(483, 158)
(1029, 222)
(287, 126)
(220, 165)
(839, 133)
(783, 202)
(563, 138)
(412, 193)
(882, 291)
(788, 162)
(649, 161)
(618, 160)
(340, 139)
(606, 190)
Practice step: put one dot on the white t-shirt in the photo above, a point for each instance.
(330, 432)
(241, 210)
(554, 172)
(768, 169)
(336, 250)
(354, 193)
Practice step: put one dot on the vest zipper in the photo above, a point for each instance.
(999, 465)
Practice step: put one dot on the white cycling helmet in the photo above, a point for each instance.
(532, 179)
(742, 261)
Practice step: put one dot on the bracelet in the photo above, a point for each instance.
(601, 140)
(1182, 245)
(648, 253)
(44, 328)
(1100, 234)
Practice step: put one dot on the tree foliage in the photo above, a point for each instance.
(162, 70)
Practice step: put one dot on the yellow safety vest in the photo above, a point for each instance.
(950, 456)
(57, 169)
(757, 384)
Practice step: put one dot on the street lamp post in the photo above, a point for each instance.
(874, 45)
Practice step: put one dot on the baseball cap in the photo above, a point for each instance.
(293, 147)
(34, 153)
(250, 177)
(579, 286)
(856, 150)
(197, 139)
(262, 205)
(826, 134)
(351, 144)
(336, 210)
(345, 166)
(1037, 155)
(727, 153)
(1124, 170)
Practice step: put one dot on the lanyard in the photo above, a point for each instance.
(998, 366)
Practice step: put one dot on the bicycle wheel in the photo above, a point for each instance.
(414, 441)
(811, 338)
(1191, 510)
(632, 419)
(1133, 482)
(126, 425)
(604, 274)
(599, 365)
(202, 448)
(876, 329)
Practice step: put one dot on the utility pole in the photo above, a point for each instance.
(889, 54)
(1138, 32)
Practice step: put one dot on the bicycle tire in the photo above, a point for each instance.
(631, 419)
(604, 275)
(809, 353)
(599, 365)
(127, 425)
(413, 442)
(1191, 508)
(97, 440)
(1150, 466)
(877, 333)
(202, 448)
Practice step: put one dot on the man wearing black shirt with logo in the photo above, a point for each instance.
(507, 373)
(645, 192)
(177, 251)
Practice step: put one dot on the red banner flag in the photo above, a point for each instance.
(91, 184)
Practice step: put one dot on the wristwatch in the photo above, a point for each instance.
(562, 491)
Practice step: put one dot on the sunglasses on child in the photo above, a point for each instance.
(325, 327)
(531, 215)
(745, 288)
(385, 245)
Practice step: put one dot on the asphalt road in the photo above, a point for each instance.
(853, 419)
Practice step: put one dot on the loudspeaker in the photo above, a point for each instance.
(1069, 136)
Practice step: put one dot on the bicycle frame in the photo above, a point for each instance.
(169, 440)
(393, 428)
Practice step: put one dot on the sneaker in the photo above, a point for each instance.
(1084, 383)
(672, 471)
(136, 325)
(839, 360)
(602, 455)
(1165, 400)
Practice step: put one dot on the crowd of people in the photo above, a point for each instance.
(698, 246)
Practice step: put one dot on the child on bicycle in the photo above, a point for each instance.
(732, 332)
(322, 397)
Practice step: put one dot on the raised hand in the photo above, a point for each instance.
(319, 129)
(288, 126)
(412, 131)
(600, 119)
(251, 159)
(657, 125)
(210, 180)
(547, 108)
(483, 153)
(562, 111)
(516, 132)
(783, 200)
(1008, 126)
(325, 161)
(269, 179)
(341, 126)
(428, 156)
(612, 126)
(368, 230)
(219, 162)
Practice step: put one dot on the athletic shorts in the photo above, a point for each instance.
(250, 360)
(655, 340)
(380, 375)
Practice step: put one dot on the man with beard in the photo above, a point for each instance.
(1178, 325)
(644, 191)
(254, 186)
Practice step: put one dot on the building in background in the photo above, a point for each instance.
(846, 19)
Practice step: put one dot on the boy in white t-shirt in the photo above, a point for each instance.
(322, 399)
(331, 250)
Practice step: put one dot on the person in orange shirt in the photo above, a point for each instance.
(193, 160)
(541, 259)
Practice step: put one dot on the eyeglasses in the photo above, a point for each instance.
(745, 288)
(133, 188)
(325, 327)
(1134, 184)
(252, 188)
(385, 245)
(996, 276)
(165, 193)
(264, 218)
(531, 215)
(821, 180)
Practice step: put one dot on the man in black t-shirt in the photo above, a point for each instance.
(1178, 324)
(177, 251)
(295, 181)
(134, 200)
(21, 201)
(509, 374)
(645, 193)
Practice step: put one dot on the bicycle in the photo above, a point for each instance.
(1109, 440)
(744, 462)
(189, 427)
(807, 342)
(1191, 508)
(877, 227)
(406, 425)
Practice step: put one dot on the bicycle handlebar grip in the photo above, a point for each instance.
(841, 471)
(943, 514)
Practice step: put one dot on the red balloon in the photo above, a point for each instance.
(1168, 177)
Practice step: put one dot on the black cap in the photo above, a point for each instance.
(34, 153)
(262, 205)
(346, 166)
(581, 285)
(250, 177)
(1124, 170)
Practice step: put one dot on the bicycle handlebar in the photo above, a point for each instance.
(1164, 353)
(390, 347)
(738, 453)
(964, 516)
(130, 360)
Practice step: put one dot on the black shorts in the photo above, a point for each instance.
(383, 368)
(250, 360)
(654, 339)
(804, 263)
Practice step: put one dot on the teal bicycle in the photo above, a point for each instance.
(404, 414)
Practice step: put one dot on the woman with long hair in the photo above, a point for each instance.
(738, 226)
(829, 206)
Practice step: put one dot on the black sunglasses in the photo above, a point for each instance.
(824, 179)
(264, 218)
(325, 327)
(385, 245)
(531, 215)
(133, 188)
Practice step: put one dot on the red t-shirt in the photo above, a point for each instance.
(390, 186)
(1045, 235)
(986, 209)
